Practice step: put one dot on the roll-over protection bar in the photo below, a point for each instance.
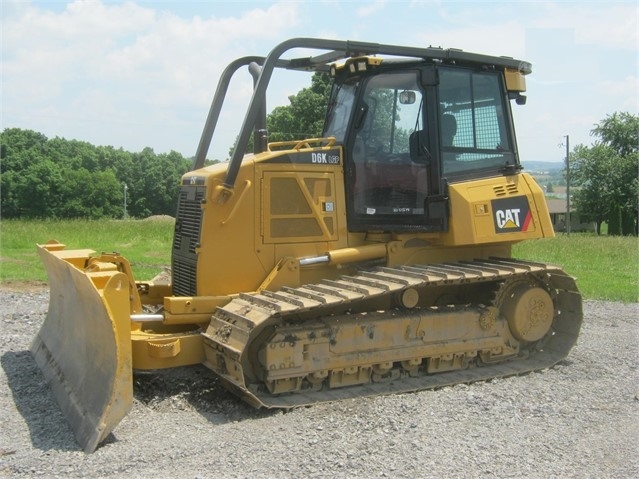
(334, 50)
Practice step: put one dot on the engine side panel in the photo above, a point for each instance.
(504, 209)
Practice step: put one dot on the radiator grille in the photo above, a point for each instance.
(184, 277)
(186, 239)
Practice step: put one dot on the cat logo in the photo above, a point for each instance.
(511, 214)
(193, 180)
(508, 218)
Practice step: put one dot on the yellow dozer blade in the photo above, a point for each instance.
(84, 345)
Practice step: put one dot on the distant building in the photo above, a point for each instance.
(557, 209)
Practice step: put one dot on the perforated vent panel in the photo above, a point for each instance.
(504, 190)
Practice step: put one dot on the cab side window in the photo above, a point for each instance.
(473, 132)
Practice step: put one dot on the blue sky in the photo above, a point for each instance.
(143, 73)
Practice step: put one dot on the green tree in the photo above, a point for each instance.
(92, 195)
(620, 131)
(304, 117)
(607, 173)
(590, 168)
(10, 194)
(72, 154)
(154, 183)
(39, 192)
(20, 148)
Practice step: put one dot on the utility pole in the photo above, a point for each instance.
(125, 188)
(568, 185)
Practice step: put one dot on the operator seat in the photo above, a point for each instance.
(448, 129)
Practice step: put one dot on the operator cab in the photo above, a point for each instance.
(411, 127)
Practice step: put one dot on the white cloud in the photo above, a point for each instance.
(188, 54)
(626, 90)
(478, 28)
(609, 24)
(481, 38)
(371, 8)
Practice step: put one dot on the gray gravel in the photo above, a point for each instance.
(578, 419)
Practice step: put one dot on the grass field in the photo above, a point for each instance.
(145, 243)
(605, 267)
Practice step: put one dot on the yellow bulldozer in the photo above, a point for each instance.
(372, 259)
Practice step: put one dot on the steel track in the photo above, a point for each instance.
(236, 326)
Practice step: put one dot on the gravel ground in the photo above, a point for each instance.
(578, 419)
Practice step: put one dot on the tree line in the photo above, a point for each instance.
(60, 178)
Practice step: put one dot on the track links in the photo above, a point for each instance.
(234, 328)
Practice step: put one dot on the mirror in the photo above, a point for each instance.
(407, 97)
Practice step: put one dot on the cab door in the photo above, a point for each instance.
(392, 176)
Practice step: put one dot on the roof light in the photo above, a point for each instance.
(360, 64)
